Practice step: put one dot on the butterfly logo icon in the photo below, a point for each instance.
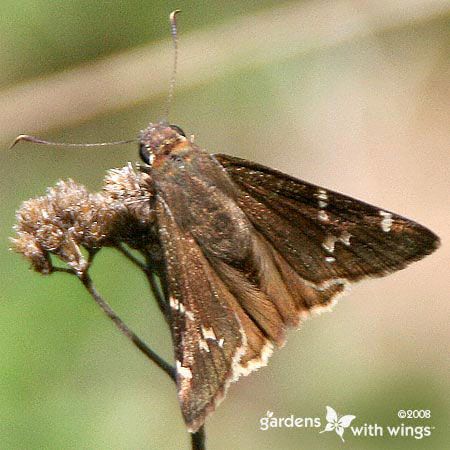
(336, 422)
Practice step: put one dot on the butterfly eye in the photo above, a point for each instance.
(145, 154)
(178, 130)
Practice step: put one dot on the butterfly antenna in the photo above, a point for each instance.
(35, 140)
(174, 33)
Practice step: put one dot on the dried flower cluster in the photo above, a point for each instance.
(69, 218)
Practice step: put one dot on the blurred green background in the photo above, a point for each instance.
(353, 96)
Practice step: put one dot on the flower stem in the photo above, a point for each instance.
(198, 439)
(123, 328)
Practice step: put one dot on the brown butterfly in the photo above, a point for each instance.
(250, 251)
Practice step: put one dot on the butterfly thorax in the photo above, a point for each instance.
(194, 188)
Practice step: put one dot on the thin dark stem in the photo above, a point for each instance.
(63, 270)
(122, 249)
(198, 439)
(141, 345)
(151, 277)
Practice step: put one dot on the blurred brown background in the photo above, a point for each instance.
(351, 95)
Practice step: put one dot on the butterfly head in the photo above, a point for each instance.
(159, 140)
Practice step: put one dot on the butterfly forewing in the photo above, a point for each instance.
(207, 335)
(322, 234)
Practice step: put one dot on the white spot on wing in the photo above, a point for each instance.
(345, 238)
(174, 304)
(208, 333)
(184, 372)
(322, 204)
(386, 221)
(203, 345)
(330, 259)
(322, 194)
(221, 341)
(329, 242)
(322, 216)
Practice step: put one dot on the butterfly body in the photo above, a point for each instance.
(249, 252)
